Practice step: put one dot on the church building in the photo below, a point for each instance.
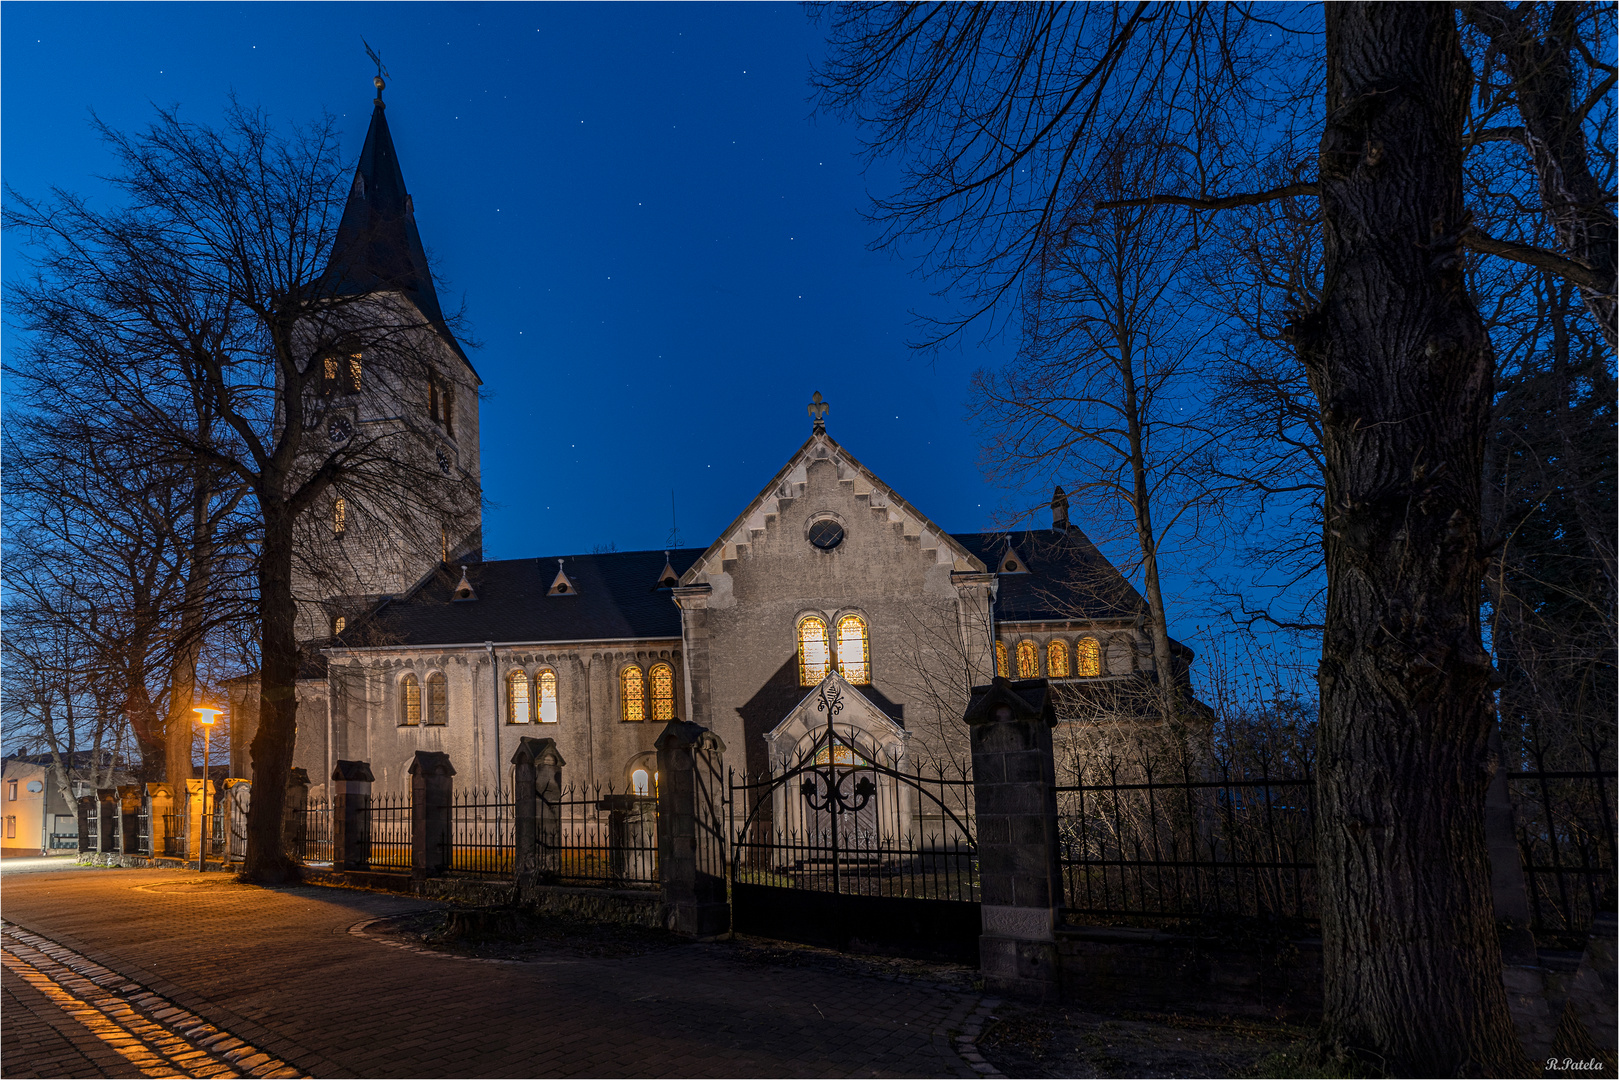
(826, 580)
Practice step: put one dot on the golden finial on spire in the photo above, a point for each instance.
(817, 411)
(381, 71)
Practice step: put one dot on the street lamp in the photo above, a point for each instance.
(207, 716)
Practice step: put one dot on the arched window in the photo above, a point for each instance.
(410, 701)
(438, 698)
(814, 654)
(449, 411)
(545, 684)
(1028, 660)
(354, 373)
(340, 516)
(854, 650)
(328, 375)
(339, 625)
(663, 691)
(1000, 660)
(1088, 657)
(640, 783)
(1057, 659)
(631, 695)
(517, 698)
(432, 397)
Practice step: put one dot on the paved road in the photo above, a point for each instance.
(165, 972)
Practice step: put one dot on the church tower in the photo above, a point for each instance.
(396, 379)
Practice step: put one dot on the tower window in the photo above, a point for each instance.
(814, 652)
(432, 397)
(337, 627)
(854, 650)
(546, 686)
(663, 692)
(1028, 660)
(354, 373)
(1057, 658)
(410, 702)
(1000, 660)
(328, 375)
(1088, 657)
(631, 694)
(449, 411)
(340, 516)
(517, 698)
(438, 699)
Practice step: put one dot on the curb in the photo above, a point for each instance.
(967, 1041)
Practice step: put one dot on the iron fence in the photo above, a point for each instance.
(1217, 841)
(311, 833)
(174, 835)
(1565, 823)
(602, 837)
(385, 828)
(482, 840)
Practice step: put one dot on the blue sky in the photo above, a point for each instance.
(658, 242)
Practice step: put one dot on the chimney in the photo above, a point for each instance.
(1059, 510)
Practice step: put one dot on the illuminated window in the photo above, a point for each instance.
(410, 701)
(340, 516)
(1000, 660)
(354, 373)
(438, 698)
(838, 754)
(663, 691)
(1028, 660)
(631, 697)
(640, 782)
(328, 375)
(1057, 659)
(546, 687)
(517, 698)
(854, 650)
(11, 827)
(337, 627)
(814, 656)
(1088, 657)
(11, 791)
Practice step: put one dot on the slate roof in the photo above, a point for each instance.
(1068, 577)
(378, 247)
(617, 597)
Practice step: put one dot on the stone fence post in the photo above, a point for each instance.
(537, 789)
(431, 797)
(159, 805)
(1020, 872)
(691, 861)
(130, 797)
(293, 805)
(107, 820)
(351, 840)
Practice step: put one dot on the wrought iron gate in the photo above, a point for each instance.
(841, 848)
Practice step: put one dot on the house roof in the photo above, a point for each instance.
(378, 248)
(612, 596)
(1061, 576)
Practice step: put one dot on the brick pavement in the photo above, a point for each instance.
(280, 970)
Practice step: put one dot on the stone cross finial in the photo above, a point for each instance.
(817, 411)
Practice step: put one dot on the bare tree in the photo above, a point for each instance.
(215, 320)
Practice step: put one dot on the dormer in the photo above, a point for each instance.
(561, 586)
(463, 589)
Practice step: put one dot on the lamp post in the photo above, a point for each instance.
(206, 717)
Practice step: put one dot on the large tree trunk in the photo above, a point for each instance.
(273, 744)
(1401, 366)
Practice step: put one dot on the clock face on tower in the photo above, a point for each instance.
(338, 429)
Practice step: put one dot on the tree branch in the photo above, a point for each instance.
(1226, 202)
(1578, 274)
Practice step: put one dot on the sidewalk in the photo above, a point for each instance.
(214, 978)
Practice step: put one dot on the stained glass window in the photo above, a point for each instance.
(1000, 660)
(1057, 659)
(354, 373)
(517, 697)
(546, 682)
(839, 755)
(1088, 657)
(814, 655)
(632, 696)
(337, 627)
(438, 699)
(410, 701)
(854, 650)
(663, 691)
(328, 373)
(1028, 660)
(340, 516)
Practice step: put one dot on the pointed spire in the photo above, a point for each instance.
(1059, 509)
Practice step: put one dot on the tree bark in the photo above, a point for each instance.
(1157, 617)
(267, 862)
(1401, 366)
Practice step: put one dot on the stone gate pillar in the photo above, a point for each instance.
(351, 840)
(159, 805)
(537, 789)
(293, 806)
(691, 839)
(1020, 874)
(89, 826)
(432, 793)
(130, 797)
(107, 820)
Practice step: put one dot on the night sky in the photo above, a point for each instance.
(659, 244)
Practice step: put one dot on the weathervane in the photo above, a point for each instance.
(381, 71)
(817, 411)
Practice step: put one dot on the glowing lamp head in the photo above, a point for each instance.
(206, 715)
